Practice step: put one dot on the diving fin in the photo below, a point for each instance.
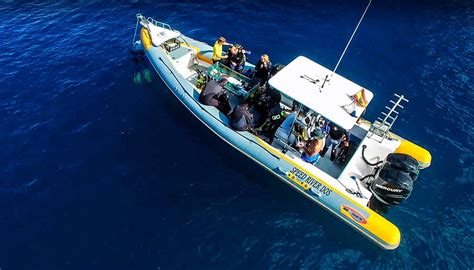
(137, 79)
(147, 75)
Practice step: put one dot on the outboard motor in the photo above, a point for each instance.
(404, 163)
(391, 186)
(392, 182)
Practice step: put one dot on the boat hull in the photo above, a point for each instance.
(320, 191)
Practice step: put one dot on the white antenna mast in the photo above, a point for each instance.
(350, 40)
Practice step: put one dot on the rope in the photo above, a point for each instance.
(350, 40)
(368, 162)
(351, 191)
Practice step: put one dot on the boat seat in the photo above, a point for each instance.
(183, 59)
(180, 53)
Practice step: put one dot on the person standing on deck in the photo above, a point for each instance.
(217, 50)
(262, 69)
(315, 145)
(333, 140)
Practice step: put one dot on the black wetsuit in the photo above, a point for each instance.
(265, 101)
(241, 119)
(276, 116)
(262, 72)
(214, 95)
(238, 58)
(138, 57)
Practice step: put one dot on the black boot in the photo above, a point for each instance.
(323, 152)
(333, 154)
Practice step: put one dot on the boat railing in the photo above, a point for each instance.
(159, 24)
(142, 19)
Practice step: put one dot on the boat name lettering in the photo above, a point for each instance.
(311, 181)
(298, 173)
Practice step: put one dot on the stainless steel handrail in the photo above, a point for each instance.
(158, 23)
(142, 19)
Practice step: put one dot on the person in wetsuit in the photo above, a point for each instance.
(343, 150)
(276, 116)
(236, 58)
(138, 57)
(241, 119)
(262, 69)
(214, 95)
(265, 100)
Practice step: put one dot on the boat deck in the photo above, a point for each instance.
(334, 168)
(333, 184)
(189, 66)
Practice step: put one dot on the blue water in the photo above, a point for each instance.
(100, 173)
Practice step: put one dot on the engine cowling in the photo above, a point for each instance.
(393, 183)
(404, 163)
(391, 186)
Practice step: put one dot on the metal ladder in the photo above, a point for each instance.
(383, 124)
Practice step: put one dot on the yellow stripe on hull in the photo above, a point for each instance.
(375, 223)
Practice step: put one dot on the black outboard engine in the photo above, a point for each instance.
(391, 186)
(404, 163)
(392, 182)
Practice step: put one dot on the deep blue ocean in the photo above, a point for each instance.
(98, 172)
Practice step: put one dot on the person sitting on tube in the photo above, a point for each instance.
(241, 119)
(236, 58)
(214, 95)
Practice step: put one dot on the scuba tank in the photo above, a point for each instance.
(201, 80)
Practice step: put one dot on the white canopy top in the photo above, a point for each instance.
(302, 79)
